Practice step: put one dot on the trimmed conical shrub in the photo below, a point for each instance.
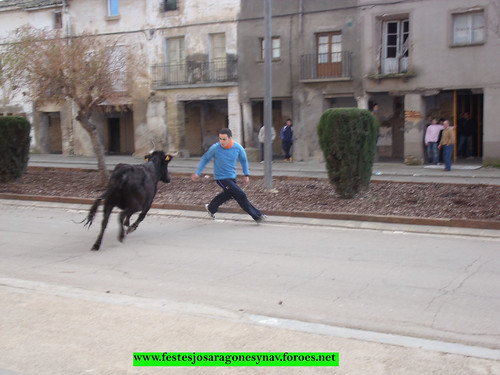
(348, 138)
(14, 147)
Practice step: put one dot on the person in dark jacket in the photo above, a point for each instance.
(466, 130)
(287, 139)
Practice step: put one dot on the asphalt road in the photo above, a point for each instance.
(391, 301)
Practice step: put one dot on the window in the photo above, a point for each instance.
(113, 8)
(395, 46)
(329, 54)
(58, 19)
(218, 61)
(168, 5)
(175, 50)
(275, 48)
(217, 46)
(175, 60)
(468, 28)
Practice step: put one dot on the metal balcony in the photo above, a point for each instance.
(326, 66)
(219, 72)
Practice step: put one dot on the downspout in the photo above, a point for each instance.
(301, 11)
(68, 22)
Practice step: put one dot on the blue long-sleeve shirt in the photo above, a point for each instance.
(225, 161)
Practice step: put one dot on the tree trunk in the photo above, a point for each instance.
(99, 151)
(98, 147)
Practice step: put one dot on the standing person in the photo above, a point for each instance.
(447, 143)
(262, 139)
(466, 129)
(440, 150)
(225, 154)
(431, 141)
(287, 139)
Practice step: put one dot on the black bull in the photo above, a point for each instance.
(131, 188)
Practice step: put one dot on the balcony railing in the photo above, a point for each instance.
(325, 66)
(194, 72)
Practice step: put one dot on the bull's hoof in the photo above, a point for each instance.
(95, 247)
(120, 238)
(131, 229)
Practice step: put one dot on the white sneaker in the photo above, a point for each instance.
(261, 219)
(210, 214)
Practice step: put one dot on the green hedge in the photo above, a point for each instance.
(348, 138)
(14, 147)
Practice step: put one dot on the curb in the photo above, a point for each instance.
(453, 223)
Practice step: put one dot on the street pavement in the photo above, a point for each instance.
(391, 298)
(390, 301)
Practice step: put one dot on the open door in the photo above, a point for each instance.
(468, 124)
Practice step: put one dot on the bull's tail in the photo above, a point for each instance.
(90, 217)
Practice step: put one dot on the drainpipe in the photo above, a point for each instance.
(68, 22)
(301, 11)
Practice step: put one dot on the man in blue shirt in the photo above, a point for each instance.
(225, 154)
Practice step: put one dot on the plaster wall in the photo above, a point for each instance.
(414, 126)
(296, 23)
(17, 103)
(491, 136)
(92, 16)
(306, 141)
(438, 65)
(436, 62)
(13, 19)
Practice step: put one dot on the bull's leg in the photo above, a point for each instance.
(127, 220)
(107, 212)
(121, 219)
(141, 217)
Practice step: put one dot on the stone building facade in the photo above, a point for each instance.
(415, 59)
(187, 50)
(41, 14)
(315, 65)
(204, 67)
(432, 59)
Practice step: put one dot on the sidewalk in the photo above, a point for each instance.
(383, 171)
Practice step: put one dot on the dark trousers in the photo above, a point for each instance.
(286, 147)
(231, 190)
(464, 140)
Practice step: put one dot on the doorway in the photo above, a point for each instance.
(469, 124)
(203, 120)
(113, 135)
(278, 120)
(55, 133)
(398, 128)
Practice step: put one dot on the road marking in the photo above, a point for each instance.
(378, 337)
(37, 287)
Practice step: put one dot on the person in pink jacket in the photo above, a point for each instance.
(431, 141)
